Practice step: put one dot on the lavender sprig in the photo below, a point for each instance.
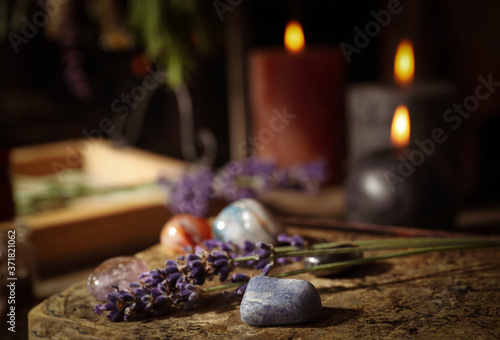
(191, 192)
(249, 178)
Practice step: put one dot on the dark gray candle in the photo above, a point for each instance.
(370, 107)
(389, 187)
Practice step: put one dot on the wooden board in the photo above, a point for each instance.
(68, 239)
(94, 228)
(446, 295)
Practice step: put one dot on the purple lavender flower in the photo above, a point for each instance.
(198, 275)
(264, 257)
(218, 263)
(187, 293)
(248, 246)
(263, 251)
(211, 244)
(265, 266)
(99, 308)
(222, 268)
(153, 277)
(308, 177)
(295, 240)
(115, 307)
(237, 278)
(191, 193)
(284, 260)
(135, 285)
(191, 257)
(172, 280)
(218, 255)
(248, 250)
(139, 306)
(171, 266)
(161, 299)
(124, 305)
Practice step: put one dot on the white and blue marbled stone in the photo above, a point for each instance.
(272, 301)
(246, 219)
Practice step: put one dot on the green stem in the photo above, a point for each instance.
(388, 241)
(381, 257)
(222, 287)
(370, 245)
(317, 252)
(483, 244)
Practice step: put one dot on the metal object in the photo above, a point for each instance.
(316, 260)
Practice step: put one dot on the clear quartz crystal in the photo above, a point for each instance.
(121, 271)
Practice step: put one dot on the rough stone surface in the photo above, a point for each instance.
(121, 271)
(445, 295)
(271, 301)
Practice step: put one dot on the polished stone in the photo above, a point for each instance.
(121, 271)
(246, 219)
(184, 230)
(273, 301)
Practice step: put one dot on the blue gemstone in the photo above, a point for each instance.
(272, 301)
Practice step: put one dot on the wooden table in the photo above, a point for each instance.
(441, 295)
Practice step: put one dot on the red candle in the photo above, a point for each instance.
(296, 100)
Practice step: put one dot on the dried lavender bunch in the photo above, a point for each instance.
(180, 281)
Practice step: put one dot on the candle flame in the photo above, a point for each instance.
(294, 37)
(404, 63)
(400, 129)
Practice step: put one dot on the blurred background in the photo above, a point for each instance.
(172, 83)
